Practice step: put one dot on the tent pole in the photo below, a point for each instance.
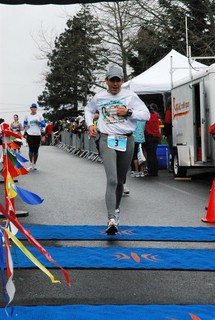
(171, 71)
(187, 41)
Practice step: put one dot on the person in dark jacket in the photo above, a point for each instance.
(152, 137)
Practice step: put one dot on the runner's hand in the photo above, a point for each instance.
(92, 131)
(121, 111)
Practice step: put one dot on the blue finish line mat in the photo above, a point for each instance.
(147, 233)
(120, 258)
(113, 312)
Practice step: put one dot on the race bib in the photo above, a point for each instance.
(117, 142)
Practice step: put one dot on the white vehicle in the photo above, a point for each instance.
(193, 112)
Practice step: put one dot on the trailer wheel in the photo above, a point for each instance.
(178, 171)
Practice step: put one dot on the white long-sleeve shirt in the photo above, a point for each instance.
(106, 103)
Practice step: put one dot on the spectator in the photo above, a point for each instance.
(152, 136)
(139, 139)
(49, 132)
(168, 129)
(80, 127)
(57, 128)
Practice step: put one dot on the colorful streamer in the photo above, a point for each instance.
(12, 218)
(31, 256)
(2, 264)
(10, 288)
(12, 167)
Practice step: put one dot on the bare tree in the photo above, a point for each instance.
(119, 29)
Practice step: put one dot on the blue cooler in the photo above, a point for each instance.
(163, 154)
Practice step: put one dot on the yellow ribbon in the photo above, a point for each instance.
(31, 257)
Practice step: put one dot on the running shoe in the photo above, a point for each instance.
(112, 227)
(145, 172)
(132, 174)
(34, 167)
(126, 191)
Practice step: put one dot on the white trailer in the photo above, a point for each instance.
(193, 112)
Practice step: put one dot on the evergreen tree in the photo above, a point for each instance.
(164, 29)
(200, 21)
(73, 63)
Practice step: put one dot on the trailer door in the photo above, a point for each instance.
(203, 117)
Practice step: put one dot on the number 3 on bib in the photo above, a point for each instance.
(117, 142)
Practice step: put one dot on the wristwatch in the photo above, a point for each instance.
(129, 112)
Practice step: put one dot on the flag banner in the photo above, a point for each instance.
(15, 139)
(10, 192)
(125, 258)
(13, 145)
(113, 312)
(19, 167)
(27, 196)
(145, 233)
(19, 157)
(8, 133)
(9, 167)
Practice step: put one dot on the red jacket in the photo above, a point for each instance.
(49, 129)
(168, 116)
(152, 125)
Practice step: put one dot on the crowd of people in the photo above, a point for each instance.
(126, 132)
(147, 136)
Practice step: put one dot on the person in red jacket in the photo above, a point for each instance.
(49, 133)
(152, 137)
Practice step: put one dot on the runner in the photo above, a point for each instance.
(16, 126)
(33, 123)
(119, 109)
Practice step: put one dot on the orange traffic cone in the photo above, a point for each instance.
(210, 216)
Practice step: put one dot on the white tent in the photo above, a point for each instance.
(160, 77)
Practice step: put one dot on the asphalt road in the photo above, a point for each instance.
(73, 189)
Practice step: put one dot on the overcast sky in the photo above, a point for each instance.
(20, 69)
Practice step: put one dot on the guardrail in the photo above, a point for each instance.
(80, 145)
(85, 147)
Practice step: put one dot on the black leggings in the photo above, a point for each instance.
(151, 148)
(33, 143)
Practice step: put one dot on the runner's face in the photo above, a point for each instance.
(33, 110)
(114, 85)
